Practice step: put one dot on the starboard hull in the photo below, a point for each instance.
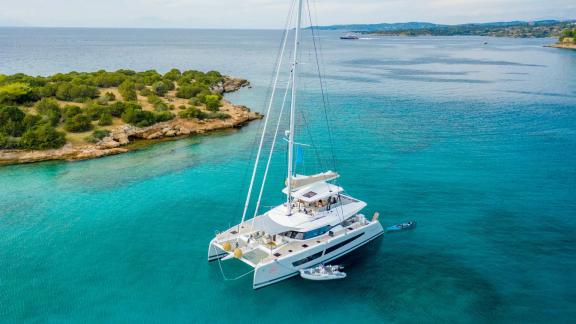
(285, 268)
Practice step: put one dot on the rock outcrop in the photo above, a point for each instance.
(230, 84)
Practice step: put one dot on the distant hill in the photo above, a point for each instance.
(541, 28)
(382, 26)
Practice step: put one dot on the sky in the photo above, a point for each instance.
(269, 14)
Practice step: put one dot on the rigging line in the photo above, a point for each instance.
(325, 101)
(322, 86)
(291, 134)
(267, 96)
(231, 279)
(306, 124)
(312, 143)
(271, 152)
(255, 169)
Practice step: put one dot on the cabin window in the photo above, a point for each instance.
(307, 235)
(307, 259)
(316, 232)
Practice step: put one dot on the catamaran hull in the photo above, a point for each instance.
(282, 269)
(214, 252)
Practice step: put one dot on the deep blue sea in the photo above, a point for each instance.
(474, 141)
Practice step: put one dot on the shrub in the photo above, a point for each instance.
(138, 117)
(97, 135)
(105, 119)
(195, 101)
(31, 121)
(42, 137)
(153, 99)
(173, 75)
(160, 88)
(218, 115)
(70, 111)
(127, 91)
(11, 121)
(164, 116)
(212, 102)
(188, 91)
(48, 90)
(78, 123)
(193, 113)
(146, 92)
(161, 106)
(69, 91)
(202, 95)
(108, 79)
(148, 77)
(94, 110)
(117, 108)
(8, 142)
(49, 109)
(16, 92)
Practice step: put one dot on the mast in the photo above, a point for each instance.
(293, 107)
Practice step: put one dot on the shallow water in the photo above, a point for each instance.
(475, 142)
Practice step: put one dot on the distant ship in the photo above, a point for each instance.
(349, 36)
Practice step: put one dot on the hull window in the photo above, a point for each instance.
(341, 244)
(307, 259)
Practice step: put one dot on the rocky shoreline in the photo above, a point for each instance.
(564, 45)
(121, 136)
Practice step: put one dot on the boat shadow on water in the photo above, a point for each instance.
(412, 286)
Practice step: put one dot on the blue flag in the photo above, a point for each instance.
(299, 155)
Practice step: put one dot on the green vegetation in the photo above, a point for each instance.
(128, 90)
(42, 137)
(49, 109)
(568, 35)
(34, 108)
(188, 91)
(11, 121)
(212, 102)
(77, 124)
(105, 119)
(194, 112)
(97, 135)
(539, 29)
(16, 92)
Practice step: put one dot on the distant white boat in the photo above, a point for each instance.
(349, 36)
(316, 224)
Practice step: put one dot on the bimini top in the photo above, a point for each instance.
(315, 191)
(300, 181)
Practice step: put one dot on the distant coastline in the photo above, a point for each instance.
(571, 46)
(514, 29)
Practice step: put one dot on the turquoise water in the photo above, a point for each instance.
(476, 142)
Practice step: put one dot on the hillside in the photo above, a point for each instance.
(520, 29)
(375, 27)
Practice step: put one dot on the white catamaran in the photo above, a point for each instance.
(318, 222)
